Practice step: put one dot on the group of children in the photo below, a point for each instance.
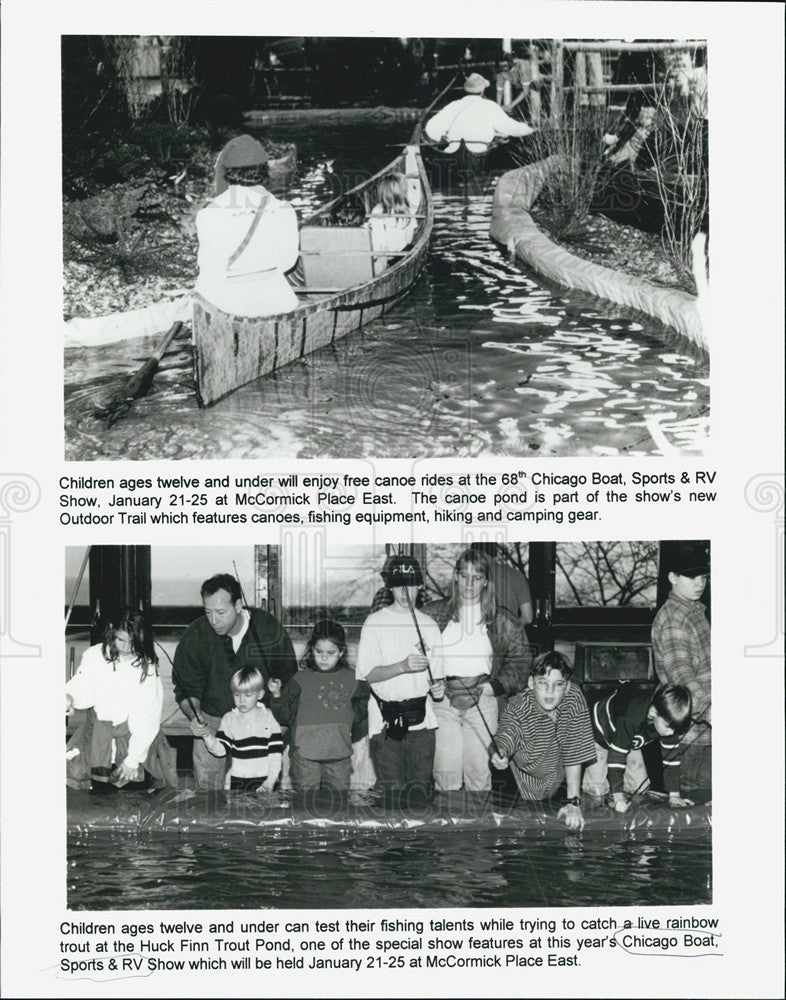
(546, 733)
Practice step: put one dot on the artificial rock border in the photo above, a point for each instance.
(513, 226)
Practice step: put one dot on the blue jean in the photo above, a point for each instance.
(408, 763)
(307, 774)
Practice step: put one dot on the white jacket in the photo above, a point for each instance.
(115, 692)
(254, 285)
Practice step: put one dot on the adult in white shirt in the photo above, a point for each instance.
(118, 678)
(248, 240)
(401, 717)
(473, 119)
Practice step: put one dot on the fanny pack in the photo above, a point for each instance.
(400, 715)
(464, 692)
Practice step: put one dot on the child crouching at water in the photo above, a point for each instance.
(118, 679)
(323, 703)
(250, 734)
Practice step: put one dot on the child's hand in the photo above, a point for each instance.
(268, 785)
(126, 773)
(274, 687)
(621, 804)
(69, 705)
(677, 802)
(572, 817)
(499, 761)
(198, 729)
(437, 690)
(415, 663)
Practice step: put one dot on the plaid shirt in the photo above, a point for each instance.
(681, 647)
(542, 745)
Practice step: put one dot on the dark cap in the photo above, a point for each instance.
(402, 571)
(688, 559)
(243, 151)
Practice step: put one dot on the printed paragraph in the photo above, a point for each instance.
(353, 945)
(512, 497)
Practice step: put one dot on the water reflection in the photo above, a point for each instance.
(481, 358)
(382, 869)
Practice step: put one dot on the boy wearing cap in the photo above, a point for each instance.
(402, 725)
(681, 650)
(473, 119)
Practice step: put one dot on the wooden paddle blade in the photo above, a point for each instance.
(139, 383)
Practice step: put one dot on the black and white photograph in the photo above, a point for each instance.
(391, 480)
(463, 724)
(387, 247)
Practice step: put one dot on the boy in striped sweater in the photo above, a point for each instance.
(250, 734)
(545, 735)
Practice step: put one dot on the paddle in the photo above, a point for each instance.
(139, 384)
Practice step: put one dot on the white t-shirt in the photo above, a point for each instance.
(388, 636)
(465, 647)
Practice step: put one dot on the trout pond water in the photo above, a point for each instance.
(481, 358)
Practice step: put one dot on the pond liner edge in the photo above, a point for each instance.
(513, 226)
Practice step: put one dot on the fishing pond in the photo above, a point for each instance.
(481, 358)
(174, 860)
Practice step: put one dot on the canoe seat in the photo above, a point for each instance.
(336, 256)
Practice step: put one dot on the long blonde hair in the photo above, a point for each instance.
(392, 194)
(488, 597)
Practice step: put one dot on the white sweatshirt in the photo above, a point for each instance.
(115, 692)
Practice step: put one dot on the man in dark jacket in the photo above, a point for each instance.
(213, 647)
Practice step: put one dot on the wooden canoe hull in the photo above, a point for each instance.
(231, 351)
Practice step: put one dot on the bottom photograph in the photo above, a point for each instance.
(309, 725)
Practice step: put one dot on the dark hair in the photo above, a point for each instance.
(488, 601)
(350, 211)
(222, 581)
(673, 704)
(250, 176)
(136, 624)
(325, 628)
(552, 661)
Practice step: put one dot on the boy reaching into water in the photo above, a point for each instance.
(546, 734)
(250, 734)
(628, 719)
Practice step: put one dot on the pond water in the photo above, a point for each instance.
(381, 868)
(482, 358)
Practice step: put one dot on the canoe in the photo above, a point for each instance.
(231, 351)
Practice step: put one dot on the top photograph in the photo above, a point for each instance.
(279, 247)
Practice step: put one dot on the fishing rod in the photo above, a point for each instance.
(471, 693)
(420, 637)
(178, 680)
(252, 626)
